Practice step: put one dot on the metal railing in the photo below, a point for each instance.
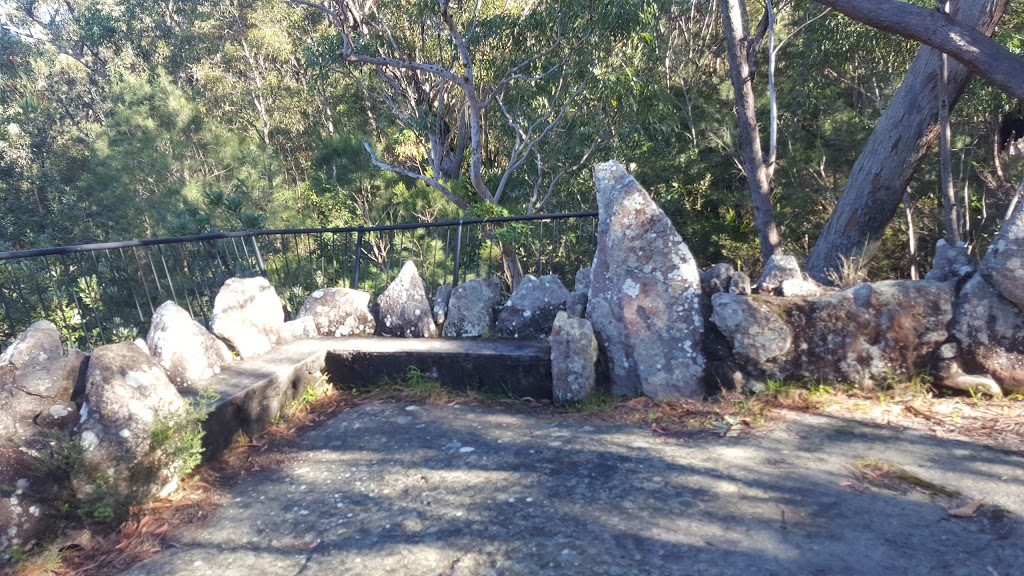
(102, 293)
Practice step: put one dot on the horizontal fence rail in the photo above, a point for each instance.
(102, 293)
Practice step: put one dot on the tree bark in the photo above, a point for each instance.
(967, 43)
(894, 152)
(734, 17)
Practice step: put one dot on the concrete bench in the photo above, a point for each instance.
(252, 392)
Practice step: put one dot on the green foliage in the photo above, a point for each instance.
(218, 116)
(95, 495)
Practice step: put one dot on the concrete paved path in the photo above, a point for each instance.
(403, 490)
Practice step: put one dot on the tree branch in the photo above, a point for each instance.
(972, 48)
(432, 182)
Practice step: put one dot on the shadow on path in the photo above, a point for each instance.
(407, 490)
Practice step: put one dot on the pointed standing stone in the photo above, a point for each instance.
(404, 309)
(645, 294)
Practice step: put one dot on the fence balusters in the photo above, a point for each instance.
(94, 293)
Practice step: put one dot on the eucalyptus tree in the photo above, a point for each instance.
(897, 148)
(483, 81)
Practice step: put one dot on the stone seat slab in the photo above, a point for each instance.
(252, 392)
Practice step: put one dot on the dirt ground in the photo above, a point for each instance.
(801, 482)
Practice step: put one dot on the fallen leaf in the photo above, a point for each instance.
(967, 510)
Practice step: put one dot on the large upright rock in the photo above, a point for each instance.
(126, 395)
(469, 308)
(1003, 264)
(530, 310)
(339, 312)
(187, 352)
(247, 313)
(990, 330)
(645, 294)
(404, 309)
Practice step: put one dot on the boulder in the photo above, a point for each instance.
(126, 396)
(39, 383)
(441, 299)
(1003, 264)
(950, 262)
(582, 283)
(469, 308)
(761, 337)
(576, 305)
(865, 334)
(739, 283)
(716, 279)
(645, 294)
(778, 269)
(990, 330)
(247, 313)
(535, 293)
(404, 309)
(302, 327)
(38, 386)
(339, 312)
(799, 287)
(530, 311)
(187, 352)
(573, 359)
(28, 499)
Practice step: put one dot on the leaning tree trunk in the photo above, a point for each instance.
(734, 16)
(894, 152)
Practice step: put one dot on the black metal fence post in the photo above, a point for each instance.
(458, 254)
(358, 254)
(259, 257)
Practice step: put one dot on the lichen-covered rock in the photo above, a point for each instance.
(778, 269)
(576, 305)
(38, 385)
(469, 308)
(760, 336)
(531, 310)
(187, 352)
(799, 287)
(126, 396)
(247, 313)
(302, 327)
(404, 309)
(645, 294)
(573, 359)
(1003, 264)
(990, 330)
(739, 284)
(339, 312)
(28, 498)
(441, 299)
(950, 262)
(583, 277)
(864, 335)
(716, 278)
(535, 293)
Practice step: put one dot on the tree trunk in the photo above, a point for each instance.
(950, 208)
(734, 16)
(895, 150)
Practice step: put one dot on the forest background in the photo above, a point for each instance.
(143, 118)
